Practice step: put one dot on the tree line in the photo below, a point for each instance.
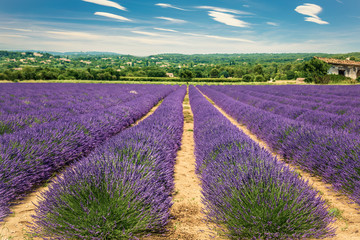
(313, 70)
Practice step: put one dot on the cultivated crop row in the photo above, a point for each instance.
(335, 95)
(247, 192)
(31, 156)
(285, 95)
(29, 105)
(330, 154)
(123, 188)
(348, 123)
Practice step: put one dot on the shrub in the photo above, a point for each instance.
(247, 78)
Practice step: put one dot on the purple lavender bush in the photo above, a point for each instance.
(123, 188)
(31, 156)
(330, 154)
(27, 105)
(247, 193)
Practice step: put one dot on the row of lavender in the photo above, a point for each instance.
(339, 105)
(335, 95)
(247, 192)
(330, 154)
(24, 105)
(30, 156)
(348, 123)
(123, 189)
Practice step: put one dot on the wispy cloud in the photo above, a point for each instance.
(166, 5)
(16, 29)
(165, 30)
(228, 19)
(12, 36)
(311, 10)
(73, 35)
(221, 37)
(173, 20)
(114, 16)
(224, 10)
(272, 24)
(146, 33)
(339, 1)
(107, 3)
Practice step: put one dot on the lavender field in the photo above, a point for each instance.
(112, 169)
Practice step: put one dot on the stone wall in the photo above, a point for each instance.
(348, 71)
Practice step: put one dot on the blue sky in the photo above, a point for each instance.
(144, 27)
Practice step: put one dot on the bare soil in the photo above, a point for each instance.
(17, 225)
(348, 217)
(187, 221)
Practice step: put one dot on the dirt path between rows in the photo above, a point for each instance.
(348, 220)
(187, 219)
(16, 225)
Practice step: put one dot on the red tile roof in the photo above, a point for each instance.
(339, 62)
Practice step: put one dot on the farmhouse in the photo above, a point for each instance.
(346, 68)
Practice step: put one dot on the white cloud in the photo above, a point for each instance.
(146, 33)
(224, 10)
(114, 16)
(173, 20)
(166, 5)
(311, 10)
(16, 29)
(73, 35)
(165, 30)
(12, 36)
(107, 4)
(228, 19)
(272, 24)
(315, 20)
(221, 38)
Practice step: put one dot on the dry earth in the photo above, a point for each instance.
(187, 221)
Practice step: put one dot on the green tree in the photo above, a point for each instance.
(186, 74)
(247, 78)
(315, 71)
(258, 69)
(156, 73)
(259, 78)
(224, 74)
(214, 73)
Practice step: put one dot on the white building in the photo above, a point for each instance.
(345, 68)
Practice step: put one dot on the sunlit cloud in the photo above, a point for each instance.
(220, 37)
(228, 19)
(12, 36)
(315, 20)
(224, 10)
(73, 35)
(165, 30)
(272, 24)
(16, 29)
(146, 33)
(114, 16)
(311, 10)
(166, 5)
(107, 4)
(172, 20)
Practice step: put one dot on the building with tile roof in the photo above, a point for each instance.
(345, 68)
